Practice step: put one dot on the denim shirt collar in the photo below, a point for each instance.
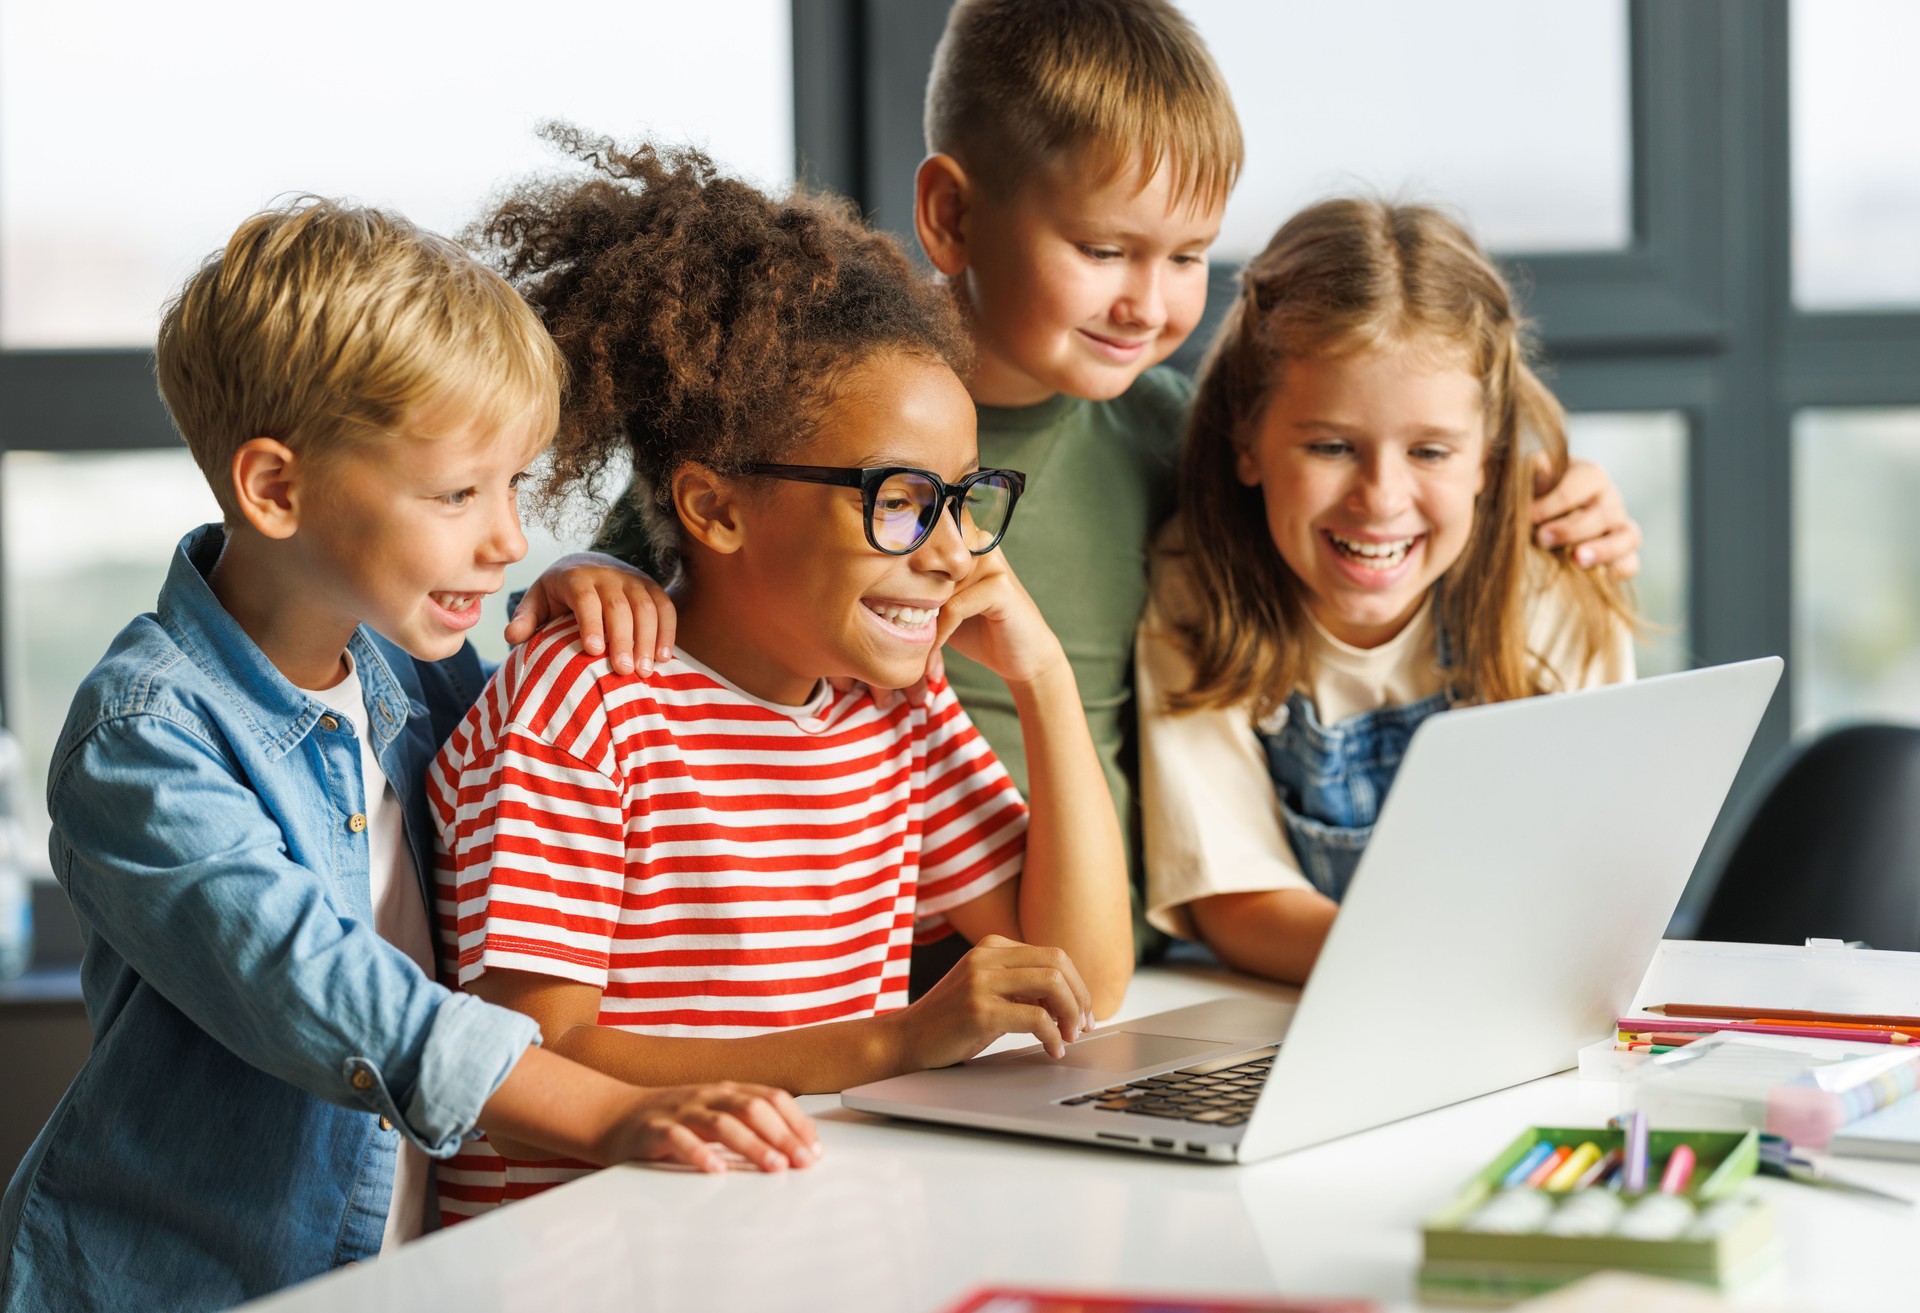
(271, 706)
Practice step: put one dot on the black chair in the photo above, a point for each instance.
(1832, 851)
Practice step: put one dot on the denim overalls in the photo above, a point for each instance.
(1332, 780)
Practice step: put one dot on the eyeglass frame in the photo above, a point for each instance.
(868, 479)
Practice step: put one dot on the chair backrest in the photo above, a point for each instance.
(1832, 851)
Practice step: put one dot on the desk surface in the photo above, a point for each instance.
(904, 1219)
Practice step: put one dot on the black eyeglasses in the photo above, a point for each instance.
(904, 504)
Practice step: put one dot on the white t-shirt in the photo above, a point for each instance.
(399, 914)
(1210, 815)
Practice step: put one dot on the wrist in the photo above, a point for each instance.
(1051, 680)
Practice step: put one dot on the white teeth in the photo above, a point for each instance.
(457, 601)
(907, 617)
(1376, 556)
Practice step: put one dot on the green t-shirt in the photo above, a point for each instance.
(1100, 483)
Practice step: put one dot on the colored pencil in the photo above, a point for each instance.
(1674, 1040)
(1636, 1025)
(1716, 1012)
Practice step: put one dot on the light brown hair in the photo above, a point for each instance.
(1019, 84)
(1345, 276)
(322, 322)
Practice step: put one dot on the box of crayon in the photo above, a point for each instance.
(1559, 1202)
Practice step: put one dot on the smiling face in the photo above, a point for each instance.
(1079, 286)
(801, 595)
(407, 533)
(1369, 465)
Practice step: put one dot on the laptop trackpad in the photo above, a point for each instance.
(1124, 1050)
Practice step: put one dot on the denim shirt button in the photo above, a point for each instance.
(329, 724)
(363, 1080)
(356, 822)
(385, 1125)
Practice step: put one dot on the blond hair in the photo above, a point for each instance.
(322, 322)
(1346, 276)
(1018, 84)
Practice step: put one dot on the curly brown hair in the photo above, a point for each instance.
(701, 319)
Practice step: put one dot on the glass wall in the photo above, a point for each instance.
(134, 137)
(1514, 112)
(1646, 453)
(1856, 172)
(1856, 566)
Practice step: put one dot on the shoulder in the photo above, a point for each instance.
(1560, 604)
(146, 677)
(1153, 411)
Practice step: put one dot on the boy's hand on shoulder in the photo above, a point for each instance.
(1585, 512)
(693, 1124)
(622, 611)
(1001, 987)
(992, 620)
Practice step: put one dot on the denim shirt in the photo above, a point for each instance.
(258, 1048)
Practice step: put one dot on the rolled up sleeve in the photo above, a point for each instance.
(179, 865)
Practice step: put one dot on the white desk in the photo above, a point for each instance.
(904, 1219)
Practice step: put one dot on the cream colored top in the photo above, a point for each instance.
(1212, 820)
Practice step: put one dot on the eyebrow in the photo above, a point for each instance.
(884, 458)
(1334, 426)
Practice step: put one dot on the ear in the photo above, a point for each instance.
(1245, 467)
(708, 505)
(942, 196)
(264, 472)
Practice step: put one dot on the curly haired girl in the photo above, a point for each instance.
(1355, 557)
(717, 869)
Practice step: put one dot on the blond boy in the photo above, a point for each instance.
(239, 812)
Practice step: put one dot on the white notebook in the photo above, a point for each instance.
(1893, 1132)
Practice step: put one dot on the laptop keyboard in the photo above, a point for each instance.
(1219, 1092)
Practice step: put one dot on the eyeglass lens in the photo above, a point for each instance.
(905, 506)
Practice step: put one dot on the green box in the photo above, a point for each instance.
(1481, 1267)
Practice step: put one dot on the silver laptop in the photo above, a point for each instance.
(1519, 879)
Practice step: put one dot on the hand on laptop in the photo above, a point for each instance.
(1001, 987)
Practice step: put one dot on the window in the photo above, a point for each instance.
(134, 137)
(1856, 176)
(1646, 453)
(1431, 102)
(1856, 566)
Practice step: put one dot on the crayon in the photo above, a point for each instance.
(1679, 1170)
(1524, 1168)
(1609, 1164)
(1572, 1167)
(1548, 1166)
(1633, 1165)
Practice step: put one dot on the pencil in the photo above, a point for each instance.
(1718, 1013)
(1808, 1030)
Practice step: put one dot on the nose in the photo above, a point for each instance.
(945, 551)
(506, 542)
(1142, 303)
(1383, 489)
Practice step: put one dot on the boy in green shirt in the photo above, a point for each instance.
(1081, 155)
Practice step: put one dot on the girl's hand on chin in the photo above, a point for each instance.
(992, 620)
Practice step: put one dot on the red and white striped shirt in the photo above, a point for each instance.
(716, 865)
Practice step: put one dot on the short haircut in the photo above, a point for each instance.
(1020, 84)
(322, 322)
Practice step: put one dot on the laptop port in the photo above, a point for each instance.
(1162, 1144)
(1124, 1139)
(1200, 1149)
